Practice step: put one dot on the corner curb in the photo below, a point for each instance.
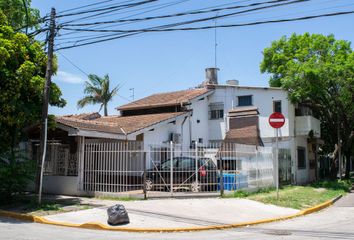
(100, 226)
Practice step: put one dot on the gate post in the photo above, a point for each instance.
(196, 162)
(171, 168)
(221, 178)
(144, 174)
(81, 159)
(257, 168)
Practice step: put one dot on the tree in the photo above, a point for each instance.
(16, 171)
(22, 72)
(98, 92)
(317, 71)
(19, 13)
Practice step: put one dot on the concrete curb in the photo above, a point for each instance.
(100, 226)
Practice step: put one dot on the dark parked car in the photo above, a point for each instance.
(230, 163)
(183, 175)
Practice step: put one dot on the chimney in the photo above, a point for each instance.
(211, 76)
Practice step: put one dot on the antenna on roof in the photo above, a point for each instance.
(215, 41)
(132, 96)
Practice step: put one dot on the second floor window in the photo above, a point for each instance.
(216, 110)
(245, 100)
(277, 106)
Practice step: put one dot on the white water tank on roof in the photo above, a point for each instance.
(232, 82)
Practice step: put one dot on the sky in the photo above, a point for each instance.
(169, 61)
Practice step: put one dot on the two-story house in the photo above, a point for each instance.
(206, 116)
(216, 112)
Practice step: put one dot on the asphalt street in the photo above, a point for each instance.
(336, 222)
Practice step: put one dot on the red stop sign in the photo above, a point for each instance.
(276, 120)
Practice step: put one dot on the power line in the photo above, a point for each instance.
(85, 6)
(89, 37)
(72, 63)
(219, 26)
(107, 8)
(175, 15)
(186, 22)
(157, 7)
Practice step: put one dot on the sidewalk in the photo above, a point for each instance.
(346, 201)
(179, 213)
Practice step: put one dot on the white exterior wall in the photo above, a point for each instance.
(210, 130)
(161, 132)
(200, 112)
(218, 127)
(263, 99)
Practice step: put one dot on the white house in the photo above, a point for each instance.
(205, 118)
(208, 114)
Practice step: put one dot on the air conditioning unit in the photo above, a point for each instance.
(175, 137)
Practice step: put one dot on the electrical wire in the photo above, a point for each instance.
(187, 22)
(158, 7)
(218, 26)
(175, 15)
(107, 8)
(85, 6)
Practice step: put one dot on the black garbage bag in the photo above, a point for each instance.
(117, 215)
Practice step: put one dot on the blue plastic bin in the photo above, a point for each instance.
(233, 181)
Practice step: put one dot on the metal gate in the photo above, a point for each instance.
(284, 157)
(113, 166)
(171, 169)
(185, 170)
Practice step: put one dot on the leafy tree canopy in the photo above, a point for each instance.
(18, 12)
(22, 72)
(318, 71)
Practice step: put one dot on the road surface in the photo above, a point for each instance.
(336, 222)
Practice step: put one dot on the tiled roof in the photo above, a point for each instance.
(115, 124)
(91, 125)
(246, 135)
(243, 111)
(137, 122)
(165, 99)
(84, 116)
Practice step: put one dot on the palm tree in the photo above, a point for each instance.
(97, 92)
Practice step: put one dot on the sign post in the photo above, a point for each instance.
(276, 120)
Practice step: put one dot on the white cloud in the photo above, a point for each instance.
(68, 77)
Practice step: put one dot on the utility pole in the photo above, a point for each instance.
(339, 149)
(46, 97)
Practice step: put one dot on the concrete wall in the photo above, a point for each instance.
(199, 120)
(61, 185)
(263, 99)
(304, 124)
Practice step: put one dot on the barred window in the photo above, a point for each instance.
(245, 100)
(277, 106)
(216, 110)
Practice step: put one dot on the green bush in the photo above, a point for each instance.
(344, 185)
(16, 171)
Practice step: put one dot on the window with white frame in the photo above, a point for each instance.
(216, 110)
